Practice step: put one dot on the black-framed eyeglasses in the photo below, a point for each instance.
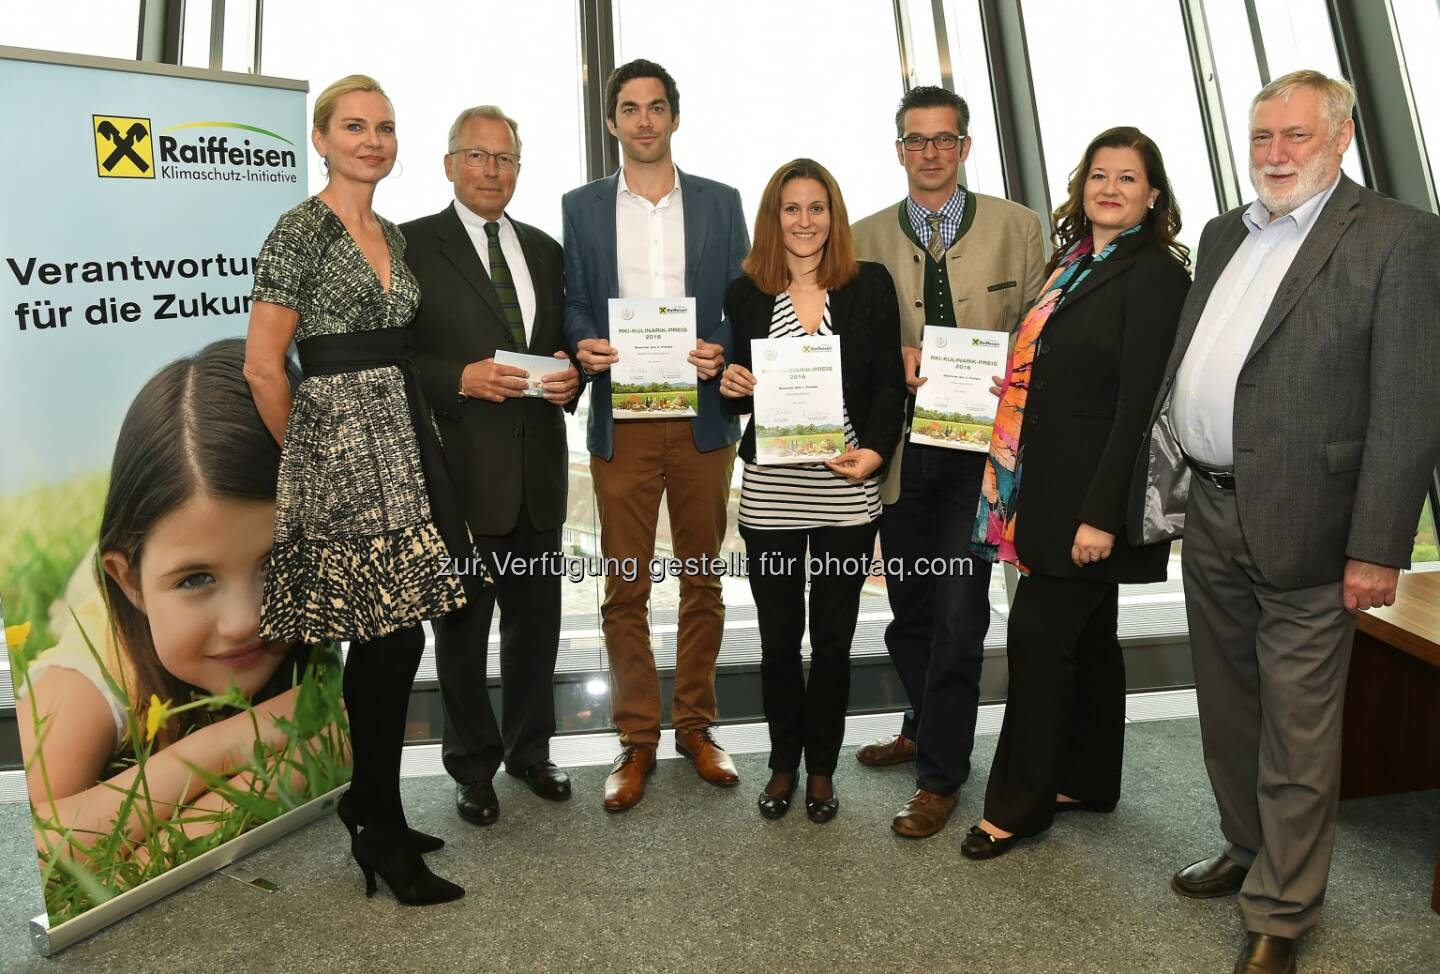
(945, 141)
(479, 159)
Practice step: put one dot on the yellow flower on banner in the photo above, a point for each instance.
(159, 713)
(16, 636)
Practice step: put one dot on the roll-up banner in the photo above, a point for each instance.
(137, 483)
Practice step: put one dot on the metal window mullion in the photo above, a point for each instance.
(1212, 105)
(217, 34)
(1387, 128)
(597, 60)
(1017, 117)
(902, 39)
(1257, 38)
(259, 36)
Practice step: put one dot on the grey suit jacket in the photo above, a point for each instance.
(1337, 407)
(715, 244)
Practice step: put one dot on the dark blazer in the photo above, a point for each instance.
(495, 451)
(715, 244)
(1337, 407)
(1094, 376)
(866, 315)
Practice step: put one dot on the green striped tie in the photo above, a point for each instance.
(505, 287)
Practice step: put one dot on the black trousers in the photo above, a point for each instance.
(378, 675)
(526, 568)
(941, 606)
(807, 719)
(1064, 727)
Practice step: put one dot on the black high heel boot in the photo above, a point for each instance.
(389, 853)
(422, 841)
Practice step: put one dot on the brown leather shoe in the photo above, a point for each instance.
(924, 814)
(710, 760)
(1265, 953)
(626, 784)
(886, 751)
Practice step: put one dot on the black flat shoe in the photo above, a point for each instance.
(821, 810)
(775, 806)
(545, 780)
(979, 844)
(477, 803)
(389, 853)
(422, 842)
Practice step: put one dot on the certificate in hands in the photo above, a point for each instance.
(538, 366)
(653, 378)
(799, 406)
(955, 408)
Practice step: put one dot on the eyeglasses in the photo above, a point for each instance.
(944, 141)
(479, 159)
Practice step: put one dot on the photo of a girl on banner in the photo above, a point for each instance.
(157, 725)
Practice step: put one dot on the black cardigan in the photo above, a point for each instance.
(1093, 382)
(866, 313)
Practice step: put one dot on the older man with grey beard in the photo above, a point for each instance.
(1302, 394)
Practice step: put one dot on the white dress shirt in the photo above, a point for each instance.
(514, 259)
(650, 243)
(1202, 408)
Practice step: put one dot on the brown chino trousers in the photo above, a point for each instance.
(654, 457)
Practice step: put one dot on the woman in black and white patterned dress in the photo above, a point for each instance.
(366, 522)
(802, 279)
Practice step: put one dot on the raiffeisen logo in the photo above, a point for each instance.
(226, 158)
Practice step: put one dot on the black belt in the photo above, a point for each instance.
(1219, 477)
(385, 348)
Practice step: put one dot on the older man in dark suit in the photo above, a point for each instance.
(1302, 393)
(489, 283)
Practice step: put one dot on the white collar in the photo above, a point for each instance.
(623, 188)
(473, 221)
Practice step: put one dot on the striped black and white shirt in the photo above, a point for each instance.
(806, 495)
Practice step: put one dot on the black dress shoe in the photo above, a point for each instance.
(545, 780)
(477, 803)
(821, 810)
(775, 806)
(1265, 953)
(979, 844)
(1217, 876)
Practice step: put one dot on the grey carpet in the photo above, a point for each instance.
(693, 880)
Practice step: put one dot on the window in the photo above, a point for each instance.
(1127, 65)
(1297, 34)
(757, 90)
(971, 67)
(1417, 25)
(1426, 556)
(108, 28)
(434, 59)
(815, 84)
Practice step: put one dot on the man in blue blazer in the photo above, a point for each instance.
(650, 231)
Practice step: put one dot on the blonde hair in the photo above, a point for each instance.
(1337, 96)
(483, 111)
(325, 103)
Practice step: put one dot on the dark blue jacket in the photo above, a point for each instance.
(715, 243)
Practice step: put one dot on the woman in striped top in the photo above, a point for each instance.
(812, 519)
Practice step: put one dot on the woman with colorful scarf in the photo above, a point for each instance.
(1074, 405)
